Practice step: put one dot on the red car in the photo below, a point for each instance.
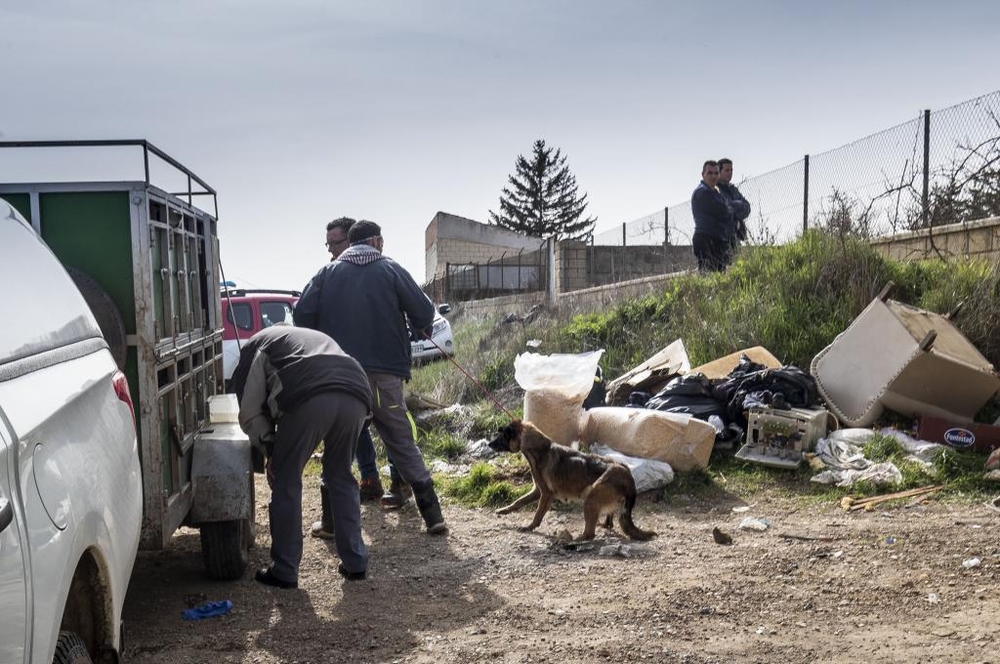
(248, 311)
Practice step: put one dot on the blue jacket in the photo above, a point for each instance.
(363, 300)
(739, 205)
(712, 214)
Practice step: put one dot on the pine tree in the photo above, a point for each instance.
(542, 200)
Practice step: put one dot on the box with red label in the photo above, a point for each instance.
(980, 437)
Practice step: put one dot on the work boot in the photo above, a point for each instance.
(430, 508)
(323, 528)
(371, 489)
(398, 495)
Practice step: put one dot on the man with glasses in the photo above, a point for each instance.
(363, 299)
(371, 484)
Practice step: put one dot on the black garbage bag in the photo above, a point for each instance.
(742, 391)
(691, 394)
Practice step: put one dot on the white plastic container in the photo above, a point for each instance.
(223, 408)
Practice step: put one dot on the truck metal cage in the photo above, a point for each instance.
(147, 260)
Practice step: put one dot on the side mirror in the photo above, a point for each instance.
(444, 309)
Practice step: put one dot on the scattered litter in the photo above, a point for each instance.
(208, 610)
(480, 449)
(838, 554)
(556, 612)
(932, 598)
(753, 523)
(441, 466)
(890, 540)
(971, 562)
(533, 343)
(880, 474)
(854, 504)
(993, 460)
(648, 474)
(623, 550)
(721, 537)
(740, 509)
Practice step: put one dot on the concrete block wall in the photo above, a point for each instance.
(979, 238)
(453, 239)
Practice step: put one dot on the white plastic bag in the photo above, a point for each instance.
(555, 387)
(648, 474)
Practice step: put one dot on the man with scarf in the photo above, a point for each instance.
(363, 300)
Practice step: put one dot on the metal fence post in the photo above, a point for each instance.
(805, 196)
(666, 240)
(624, 251)
(591, 263)
(925, 197)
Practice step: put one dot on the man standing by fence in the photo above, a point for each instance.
(737, 203)
(714, 230)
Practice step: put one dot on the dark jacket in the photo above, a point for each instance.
(712, 215)
(739, 205)
(281, 367)
(363, 300)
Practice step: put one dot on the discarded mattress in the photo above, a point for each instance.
(906, 359)
(681, 440)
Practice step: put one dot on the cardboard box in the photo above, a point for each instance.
(981, 437)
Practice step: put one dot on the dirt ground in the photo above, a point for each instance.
(882, 586)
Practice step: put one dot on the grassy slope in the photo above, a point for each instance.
(793, 300)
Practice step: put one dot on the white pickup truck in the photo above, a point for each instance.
(70, 482)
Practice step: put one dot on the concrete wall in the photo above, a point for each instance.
(975, 238)
(453, 239)
(498, 307)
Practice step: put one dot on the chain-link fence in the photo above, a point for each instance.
(939, 168)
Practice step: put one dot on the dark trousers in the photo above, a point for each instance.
(713, 253)
(335, 418)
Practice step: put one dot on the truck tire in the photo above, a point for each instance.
(225, 549)
(225, 545)
(70, 649)
(109, 319)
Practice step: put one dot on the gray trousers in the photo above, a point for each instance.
(335, 418)
(396, 427)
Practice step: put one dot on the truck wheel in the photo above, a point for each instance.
(109, 319)
(225, 545)
(70, 649)
(225, 548)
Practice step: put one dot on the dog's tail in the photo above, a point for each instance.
(625, 519)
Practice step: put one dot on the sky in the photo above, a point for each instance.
(301, 111)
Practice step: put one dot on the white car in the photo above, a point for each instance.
(443, 344)
(70, 483)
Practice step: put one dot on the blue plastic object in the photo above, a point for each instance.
(208, 610)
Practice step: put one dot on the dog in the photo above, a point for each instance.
(604, 486)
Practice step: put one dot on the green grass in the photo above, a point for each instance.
(485, 486)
